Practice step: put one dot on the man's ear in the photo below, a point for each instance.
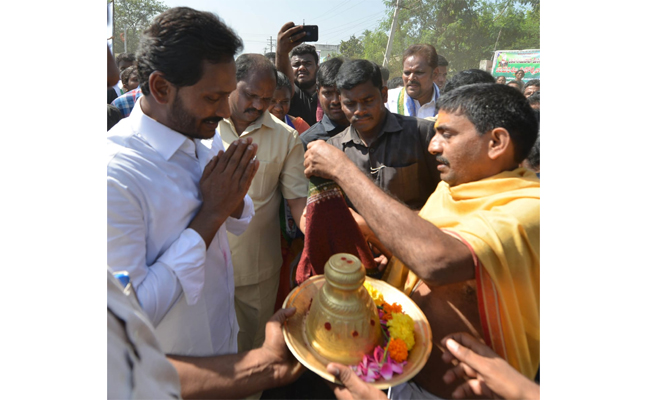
(500, 143)
(384, 94)
(160, 88)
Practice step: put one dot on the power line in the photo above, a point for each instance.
(354, 28)
(342, 11)
(335, 8)
(345, 27)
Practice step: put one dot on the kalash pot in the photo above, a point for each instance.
(343, 324)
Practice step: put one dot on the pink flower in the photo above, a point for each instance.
(373, 367)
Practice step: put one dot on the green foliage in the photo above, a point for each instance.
(352, 48)
(132, 17)
(464, 31)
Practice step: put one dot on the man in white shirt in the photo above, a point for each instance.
(171, 200)
(419, 95)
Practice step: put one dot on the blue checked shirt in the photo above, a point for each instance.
(125, 102)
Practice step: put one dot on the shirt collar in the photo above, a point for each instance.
(391, 124)
(434, 96)
(328, 124)
(265, 120)
(163, 139)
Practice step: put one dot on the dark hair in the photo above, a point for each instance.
(247, 63)
(124, 57)
(467, 77)
(395, 82)
(303, 49)
(326, 75)
(270, 56)
(534, 98)
(356, 72)
(532, 82)
(126, 74)
(519, 84)
(534, 155)
(385, 73)
(488, 106)
(522, 71)
(426, 50)
(177, 43)
(442, 62)
(282, 81)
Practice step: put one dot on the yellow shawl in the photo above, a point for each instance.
(498, 218)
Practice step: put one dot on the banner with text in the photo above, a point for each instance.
(508, 62)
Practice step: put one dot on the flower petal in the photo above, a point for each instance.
(363, 369)
(397, 368)
(387, 371)
(379, 353)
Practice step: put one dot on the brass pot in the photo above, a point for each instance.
(343, 324)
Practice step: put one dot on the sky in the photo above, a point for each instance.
(256, 21)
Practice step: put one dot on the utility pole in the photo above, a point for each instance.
(271, 43)
(393, 27)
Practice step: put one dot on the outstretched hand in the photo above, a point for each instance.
(287, 368)
(353, 387)
(485, 373)
(289, 37)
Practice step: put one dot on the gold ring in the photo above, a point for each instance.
(290, 39)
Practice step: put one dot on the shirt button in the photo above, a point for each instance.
(372, 149)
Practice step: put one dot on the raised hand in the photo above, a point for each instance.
(325, 160)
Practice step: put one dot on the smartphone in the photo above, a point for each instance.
(311, 33)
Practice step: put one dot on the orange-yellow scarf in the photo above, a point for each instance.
(498, 217)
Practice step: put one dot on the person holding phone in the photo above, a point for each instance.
(299, 62)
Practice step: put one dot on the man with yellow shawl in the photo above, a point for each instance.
(473, 251)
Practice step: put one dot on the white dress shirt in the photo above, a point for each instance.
(420, 111)
(153, 195)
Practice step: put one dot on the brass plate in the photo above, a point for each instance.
(296, 337)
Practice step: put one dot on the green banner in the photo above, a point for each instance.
(508, 62)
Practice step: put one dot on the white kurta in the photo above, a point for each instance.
(153, 195)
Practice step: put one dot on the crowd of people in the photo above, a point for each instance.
(213, 166)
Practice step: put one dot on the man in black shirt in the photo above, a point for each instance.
(300, 62)
(390, 148)
(334, 120)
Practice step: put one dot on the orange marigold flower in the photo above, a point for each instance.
(389, 309)
(397, 350)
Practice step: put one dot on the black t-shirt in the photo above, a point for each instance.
(112, 95)
(398, 159)
(303, 105)
(321, 130)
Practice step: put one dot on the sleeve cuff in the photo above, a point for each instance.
(238, 226)
(186, 259)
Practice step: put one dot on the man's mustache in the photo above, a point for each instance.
(442, 160)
